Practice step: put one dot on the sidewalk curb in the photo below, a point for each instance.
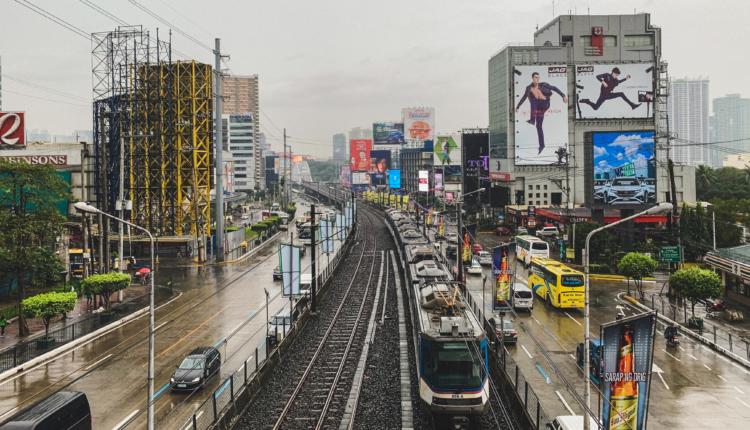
(253, 251)
(689, 332)
(64, 349)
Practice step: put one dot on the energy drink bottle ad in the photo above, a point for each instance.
(627, 356)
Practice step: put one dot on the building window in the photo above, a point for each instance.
(537, 187)
(531, 187)
(545, 187)
(531, 194)
(633, 40)
(537, 195)
(545, 195)
(545, 202)
(609, 41)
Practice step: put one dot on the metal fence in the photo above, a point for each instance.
(737, 341)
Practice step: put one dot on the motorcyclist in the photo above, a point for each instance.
(670, 333)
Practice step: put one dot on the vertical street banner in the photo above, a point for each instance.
(501, 299)
(441, 226)
(541, 118)
(466, 253)
(289, 263)
(424, 181)
(326, 233)
(340, 228)
(627, 360)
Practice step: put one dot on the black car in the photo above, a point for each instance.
(64, 410)
(277, 273)
(201, 364)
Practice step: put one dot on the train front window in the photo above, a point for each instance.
(454, 365)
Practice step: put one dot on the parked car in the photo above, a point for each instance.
(200, 365)
(277, 273)
(64, 410)
(475, 268)
(502, 231)
(485, 258)
(507, 331)
(548, 231)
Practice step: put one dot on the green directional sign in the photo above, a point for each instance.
(669, 254)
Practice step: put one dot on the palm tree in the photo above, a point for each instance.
(705, 177)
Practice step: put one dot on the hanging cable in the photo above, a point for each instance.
(54, 18)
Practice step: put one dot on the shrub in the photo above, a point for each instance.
(696, 284)
(48, 305)
(105, 284)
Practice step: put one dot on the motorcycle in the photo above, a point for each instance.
(716, 306)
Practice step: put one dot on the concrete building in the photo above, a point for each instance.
(731, 123)
(689, 124)
(412, 160)
(339, 147)
(738, 161)
(239, 132)
(578, 52)
(360, 133)
(241, 96)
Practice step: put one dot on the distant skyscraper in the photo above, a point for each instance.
(339, 147)
(688, 122)
(238, 139)
(731, 123)
(240, 98)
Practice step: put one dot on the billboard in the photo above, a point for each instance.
(381, 162)
(624, 168)
(614, 90)
(438, 183)
(447, 150)
(452, 174)
(12, 130)
(345, 175)
(627, 357)
(388, 133)
(541, 119)
(289, 264)
(359, 152)
(394, 179)
(501, 298)
(424, 181)
(419, 123)
(360, 178)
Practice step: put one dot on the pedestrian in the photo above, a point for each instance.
(3, 324)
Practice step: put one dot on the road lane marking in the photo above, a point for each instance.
(663, 382)
(122, 423)
(92, 365)
(572, 356)
(693, 357)
(160, 391)
(681, 348)
(526, 351)
(722, 378)
(665, 351)
(741, 401)
(160, 325)
(200, 414)
(567, 406)
(575, 320)
(656, 369)
(709, 369)
(544, 374)
(738, 390)
(190, 333)
(537, 321)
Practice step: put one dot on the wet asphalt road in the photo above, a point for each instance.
(112, 369)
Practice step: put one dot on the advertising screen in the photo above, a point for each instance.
(345, 175)
(624, 168)
(381, 162)
(12, 130)
(359, 150)
(447, 150)
(394, 179)
(452, 174)
(614, 90)
(419, 123)
(360, 178)
(424, 181)
(627, 355)
(388, 133)
(541, 119)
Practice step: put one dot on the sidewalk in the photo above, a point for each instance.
(82, 311)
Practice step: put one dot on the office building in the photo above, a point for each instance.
(688, 122)
(241, 97)
(339, 147)
(238, 132)
(412, 160)
(567, 147)
(731, 124)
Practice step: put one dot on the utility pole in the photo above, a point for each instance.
(219, 147)
(313, 287)
(459, 247)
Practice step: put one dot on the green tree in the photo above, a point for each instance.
(29, 224)
(636, 266)
(695, 231)
(105, 284)
(696, 284)
(705, 178)
(48, 305)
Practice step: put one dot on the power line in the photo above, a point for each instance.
(47, 99)
(175, 10)
(104, 12)
(170, 25)
(54, 18)
(47, 89)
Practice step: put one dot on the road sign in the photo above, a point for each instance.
(669, 254)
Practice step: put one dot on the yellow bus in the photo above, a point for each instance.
(557, 284)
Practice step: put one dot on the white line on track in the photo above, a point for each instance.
(122, 423)
(722, 378)
(741, 401)
(693, 357)
(665, 351)
(567, 406)
(738, 390)
(571, 317)
(92, 365)
(709, 369)
(572, 356)
(161, 325)
(681, 348)
(526, 351)
(537, 321)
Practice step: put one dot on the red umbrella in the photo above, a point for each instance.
(143, 271)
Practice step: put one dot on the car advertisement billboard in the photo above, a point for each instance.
(447, 150)
(419, 123)
(359, 152)
(381, 162)
(541, 119)
(360, 178)
(614, 90)
(624, 168)
(626, 365)
(394, 179)
(388, 133)
(424, 181)
(12, 130)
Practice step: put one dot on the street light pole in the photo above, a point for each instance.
(85, 207)
(661, 207)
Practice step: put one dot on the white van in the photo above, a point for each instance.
(571, 422)
(305, 284)
(523, 298)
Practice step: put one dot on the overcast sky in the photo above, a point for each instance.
(329, 65)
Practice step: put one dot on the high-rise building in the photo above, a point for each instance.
(339, 147)
(239, 132)
(731, 123)
(688, 122)
(241, 97)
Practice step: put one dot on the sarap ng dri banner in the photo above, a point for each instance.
(541, 118)
(614, 90)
